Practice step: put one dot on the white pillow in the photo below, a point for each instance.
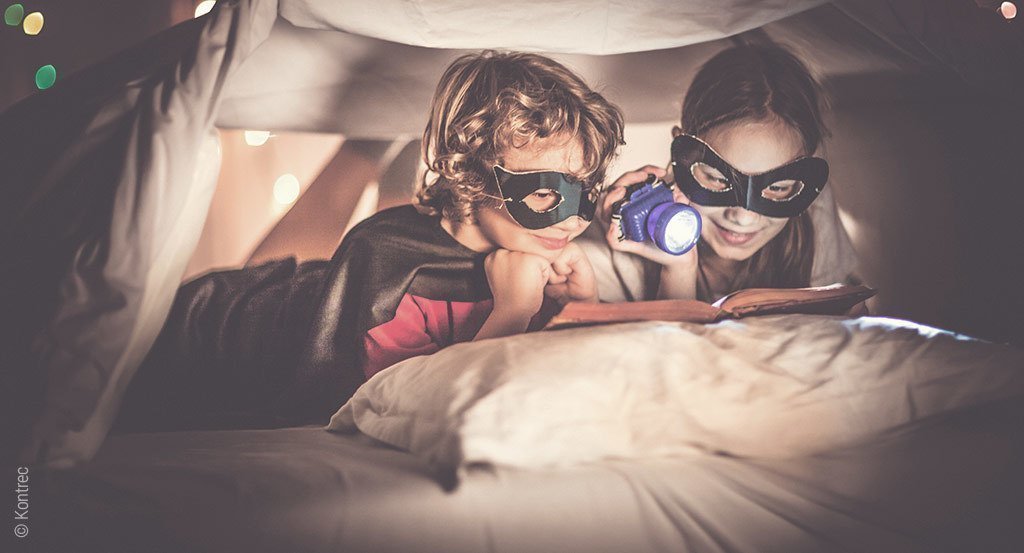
(765, 387)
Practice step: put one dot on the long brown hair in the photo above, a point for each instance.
(488, 102)
(762, 83)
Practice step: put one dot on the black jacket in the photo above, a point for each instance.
(280, 344)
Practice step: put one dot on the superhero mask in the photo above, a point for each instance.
(709, 180)
(539, 199)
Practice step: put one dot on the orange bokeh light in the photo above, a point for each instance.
(1008, 10)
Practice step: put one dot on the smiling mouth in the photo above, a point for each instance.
(734, 238)
(552, 243)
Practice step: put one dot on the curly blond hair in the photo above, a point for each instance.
(489, 102)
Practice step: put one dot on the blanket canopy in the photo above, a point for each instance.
(109, 174)
(308, 76)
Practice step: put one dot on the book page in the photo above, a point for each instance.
(834, 299)
(583, 314)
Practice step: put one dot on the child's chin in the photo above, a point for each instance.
(736, 253)
(550, 255)
(534, 247)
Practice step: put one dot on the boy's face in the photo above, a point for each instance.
(555, 153)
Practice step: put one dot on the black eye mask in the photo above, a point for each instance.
(709, 180)
(564, 198)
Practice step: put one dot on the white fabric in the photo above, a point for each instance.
(769, 387)
(118, 290)
(308, 78)
(620, 276)
(571, 26)
(834, 257)
(951, 485)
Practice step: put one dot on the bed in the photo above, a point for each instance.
(942, 470)
(950, 486)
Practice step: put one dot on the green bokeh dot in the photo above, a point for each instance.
(46, 76)
(14, 14)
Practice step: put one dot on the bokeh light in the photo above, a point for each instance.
(286, 189)
(257, 138)
(46, 76)
(33, 23)
(13, 14)
(204, 7)
(1008, 10)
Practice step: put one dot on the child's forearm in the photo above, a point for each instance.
(502, 323)
(677, 283)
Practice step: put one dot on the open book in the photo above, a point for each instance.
(834, 299)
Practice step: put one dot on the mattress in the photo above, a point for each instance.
(954, 483)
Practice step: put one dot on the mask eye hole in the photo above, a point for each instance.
(543, 200)
(783, 190)
(709, 177)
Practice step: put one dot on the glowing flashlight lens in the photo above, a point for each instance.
(680, 230)
(674, 227)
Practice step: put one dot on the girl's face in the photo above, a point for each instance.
(752, 147)
(554, 153)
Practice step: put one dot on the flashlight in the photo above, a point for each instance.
(648, 211)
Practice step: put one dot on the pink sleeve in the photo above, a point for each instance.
(400, 338)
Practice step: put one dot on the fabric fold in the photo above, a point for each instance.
(103, 223)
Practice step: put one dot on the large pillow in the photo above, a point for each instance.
(771, 387)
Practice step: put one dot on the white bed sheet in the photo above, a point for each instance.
(955, 484)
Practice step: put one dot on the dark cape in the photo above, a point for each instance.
(280, 344)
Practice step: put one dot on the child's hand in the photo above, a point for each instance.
(517, 282)
(572, 277)
(677, 263)
(678, 279)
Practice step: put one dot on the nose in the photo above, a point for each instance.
(572, 224)
(741, 216)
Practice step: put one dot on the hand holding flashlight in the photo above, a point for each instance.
(647, 248)
(678, 275)
(648, 211)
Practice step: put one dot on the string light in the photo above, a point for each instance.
(204, 7)
(33, 23)
(45, 77)
(257, 138)
(286, 189)
(1008, 10)
(13, 14)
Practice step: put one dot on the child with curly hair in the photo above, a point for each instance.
(515, 147)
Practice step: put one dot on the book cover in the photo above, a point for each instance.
(834, 299)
